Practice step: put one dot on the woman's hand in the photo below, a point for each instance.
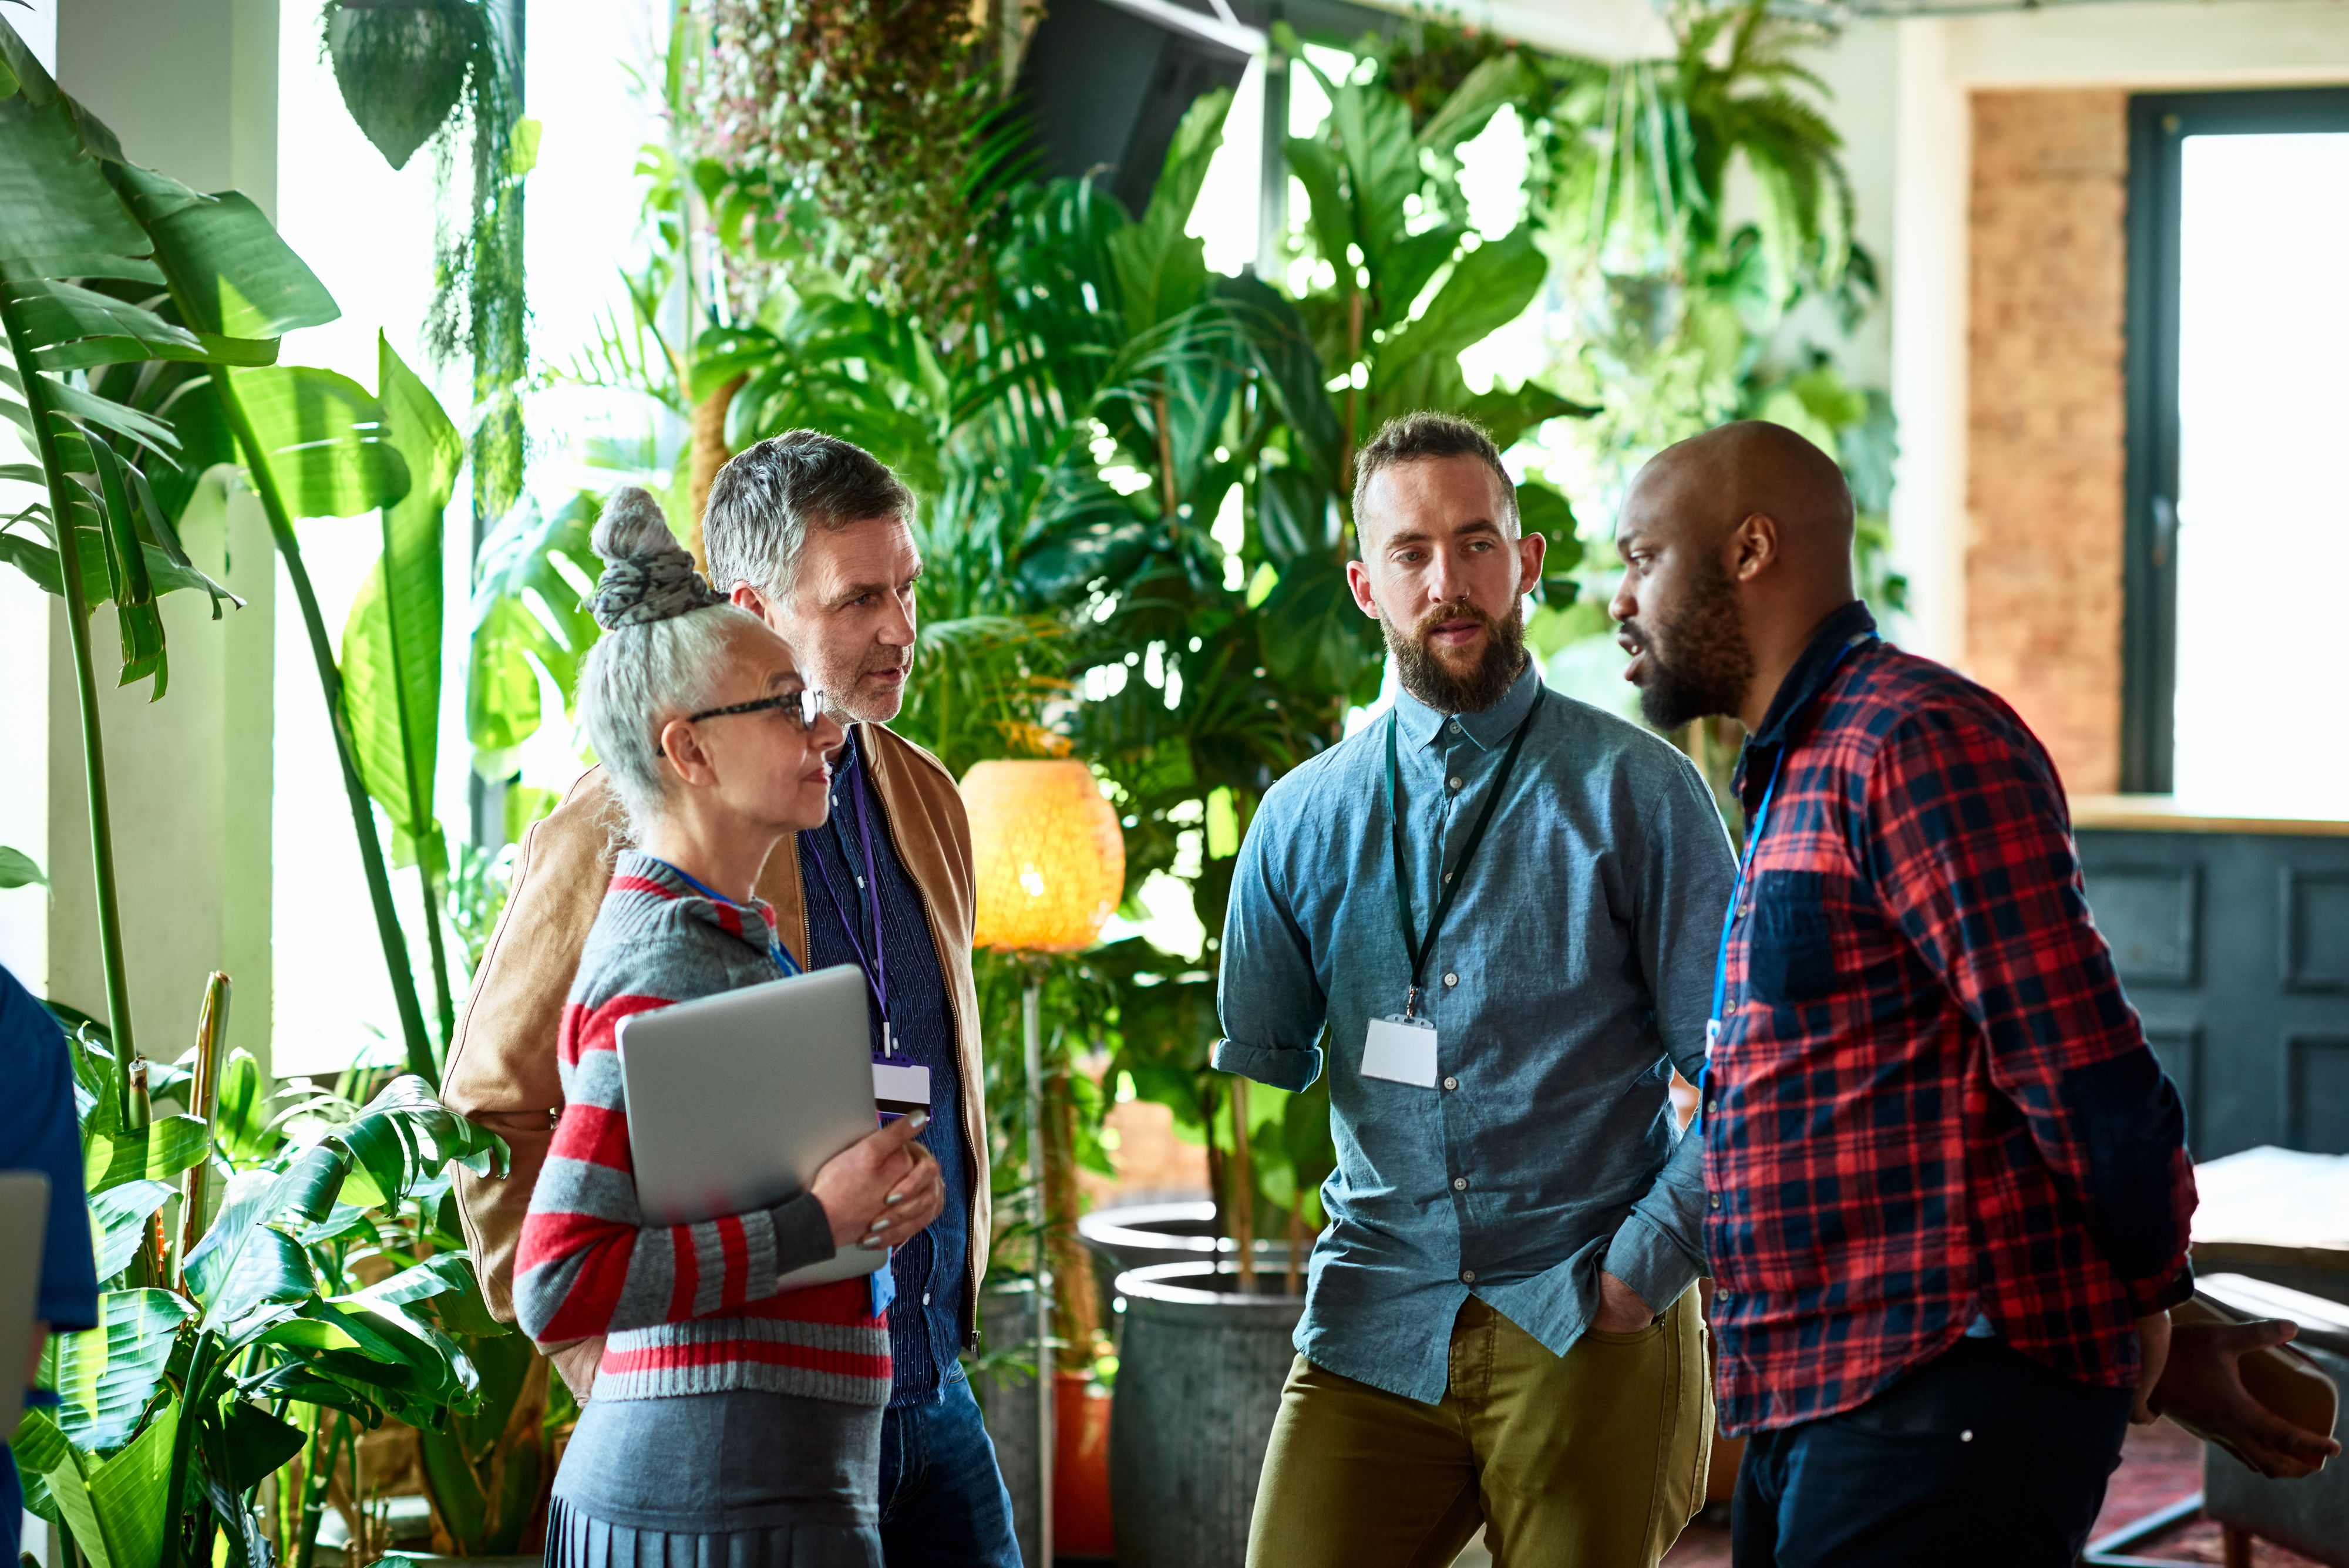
(882, 1189)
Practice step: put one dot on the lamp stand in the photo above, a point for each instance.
(1031, 1018)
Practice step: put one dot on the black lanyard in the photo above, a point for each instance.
(1421, 949)
(875, 965)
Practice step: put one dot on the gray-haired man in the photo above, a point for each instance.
(812, 533)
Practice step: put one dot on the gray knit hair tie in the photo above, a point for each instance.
(647, 576)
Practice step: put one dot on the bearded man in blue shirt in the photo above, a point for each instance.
(1503, 906)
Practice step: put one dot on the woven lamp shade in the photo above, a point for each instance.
(1049, 859)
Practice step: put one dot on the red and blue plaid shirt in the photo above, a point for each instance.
(1929, 1100)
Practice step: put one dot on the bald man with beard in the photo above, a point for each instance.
(1949, 1189)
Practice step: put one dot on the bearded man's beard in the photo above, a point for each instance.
(1425, 675)
(1698, 660)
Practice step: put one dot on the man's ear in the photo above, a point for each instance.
(1358, 577)
(1753, 546)
(745, 597)
(1531, 549)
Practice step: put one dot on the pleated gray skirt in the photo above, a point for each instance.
(737, 1480)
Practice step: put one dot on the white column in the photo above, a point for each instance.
(1930, 319)
(190, 88)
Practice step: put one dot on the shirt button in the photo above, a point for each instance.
(1454, 781)
(1716, 1201)
(1459, 1184)
(926, 1298)
(1451, 1083)
(1467, 1276)
(1712, 1107)
(1452, 979)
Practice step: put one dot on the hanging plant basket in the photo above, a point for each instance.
(401, 65)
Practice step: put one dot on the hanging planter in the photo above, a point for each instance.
(401, 65)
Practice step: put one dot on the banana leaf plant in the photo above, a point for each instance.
(230, 1348)
(392, 650)
(141, 320)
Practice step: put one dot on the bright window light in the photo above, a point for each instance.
(1225, 214)
(2264, 525)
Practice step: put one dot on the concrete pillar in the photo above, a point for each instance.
(190, 88)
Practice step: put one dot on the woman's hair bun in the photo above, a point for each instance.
(647, 576)
(632, 526)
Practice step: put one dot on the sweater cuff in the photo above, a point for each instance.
(802, 1234)
(1290, 1070)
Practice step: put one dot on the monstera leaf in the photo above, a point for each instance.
(527, 616)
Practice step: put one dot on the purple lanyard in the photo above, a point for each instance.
(876, 965)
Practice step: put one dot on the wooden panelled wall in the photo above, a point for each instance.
(2234, 947)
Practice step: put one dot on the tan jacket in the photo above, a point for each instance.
(502, 1068)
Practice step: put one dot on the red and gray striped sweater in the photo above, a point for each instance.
(689, 1309)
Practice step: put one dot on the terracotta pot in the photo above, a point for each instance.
(1081, 1518)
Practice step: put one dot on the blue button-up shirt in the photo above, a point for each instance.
(925, 1320)
(1574, 972)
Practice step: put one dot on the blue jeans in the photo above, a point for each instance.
(943, 1501)
(1980, 1455)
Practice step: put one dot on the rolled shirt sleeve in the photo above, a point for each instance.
(1268, 997)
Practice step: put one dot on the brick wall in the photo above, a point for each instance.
(2049, 259)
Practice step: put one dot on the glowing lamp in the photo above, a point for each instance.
(1047, 853)
(1051, 864)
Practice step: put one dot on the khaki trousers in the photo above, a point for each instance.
(1592, 1459)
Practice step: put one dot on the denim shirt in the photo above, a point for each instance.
(1574, 971)
(925, 1320)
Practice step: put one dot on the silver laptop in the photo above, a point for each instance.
(736, 1100)
(24, 1227)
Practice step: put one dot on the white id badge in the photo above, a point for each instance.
(1401, 1050)
(900, 1089)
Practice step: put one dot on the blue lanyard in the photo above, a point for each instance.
(1729, 920)
(876, 965)
(1737, 892)
(775, 949)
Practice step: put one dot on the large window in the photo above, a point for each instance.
(2238, 531)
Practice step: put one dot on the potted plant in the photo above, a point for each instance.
(237, 1340)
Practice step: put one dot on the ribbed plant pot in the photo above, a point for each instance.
(1199, 1372)
(1140, 1235)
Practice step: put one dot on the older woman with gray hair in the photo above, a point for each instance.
(732, 1422)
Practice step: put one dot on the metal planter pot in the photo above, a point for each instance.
(1140, 1235)
(1200, 1368)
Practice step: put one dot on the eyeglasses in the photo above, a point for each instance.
(802, 708)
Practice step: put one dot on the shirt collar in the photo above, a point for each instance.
(1845, 628)
(1493, 727)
